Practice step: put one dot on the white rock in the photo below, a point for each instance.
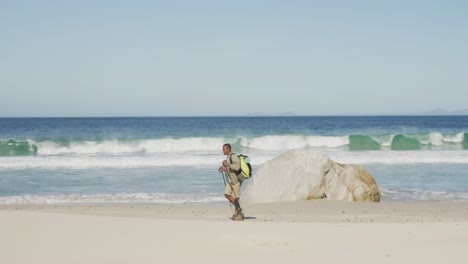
(303, 175)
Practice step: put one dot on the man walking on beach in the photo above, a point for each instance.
(230, 167)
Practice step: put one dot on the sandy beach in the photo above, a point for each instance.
(312, 231)
(124, 126)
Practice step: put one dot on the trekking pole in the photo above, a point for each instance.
(224, 180)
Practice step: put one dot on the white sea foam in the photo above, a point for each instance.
(113, 198)
(400, 157)
(423, 195)
(186, 144)
(83, 162)
(458, 138)
(294, 142)
(433, 138)
(213, 159)
(436, 139)
(384, 141)
(137, 146)
(211, 144)
(439, 139)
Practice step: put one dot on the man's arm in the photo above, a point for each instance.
(235, 165)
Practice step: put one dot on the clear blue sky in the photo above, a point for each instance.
(155, 58)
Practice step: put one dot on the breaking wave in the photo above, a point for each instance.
(29, 147)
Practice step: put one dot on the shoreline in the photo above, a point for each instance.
(320, 211)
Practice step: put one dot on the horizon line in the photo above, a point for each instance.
(246, 115)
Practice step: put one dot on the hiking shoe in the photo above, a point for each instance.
(239, 217)
(236, 213)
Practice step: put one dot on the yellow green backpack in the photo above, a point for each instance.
(245, 170)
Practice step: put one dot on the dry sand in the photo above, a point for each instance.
(308, 232)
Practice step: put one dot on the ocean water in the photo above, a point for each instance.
(175, 160)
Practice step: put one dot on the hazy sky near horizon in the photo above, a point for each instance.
(172, 58)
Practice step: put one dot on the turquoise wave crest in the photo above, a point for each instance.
(397, 142)
(17, 148)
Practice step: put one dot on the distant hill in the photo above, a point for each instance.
(433, 112)
(441, 111)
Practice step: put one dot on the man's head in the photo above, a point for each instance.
(226, 149)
